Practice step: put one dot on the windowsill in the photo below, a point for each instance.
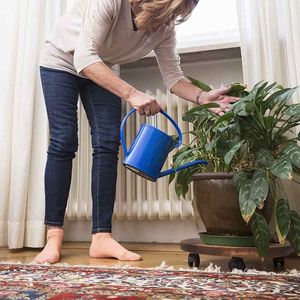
(199, 53)
(204, 47)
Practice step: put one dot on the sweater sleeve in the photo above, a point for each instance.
(169, 61)
(96, 22)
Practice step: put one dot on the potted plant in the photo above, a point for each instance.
(254, 148)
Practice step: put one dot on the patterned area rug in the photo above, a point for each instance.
(31, 281)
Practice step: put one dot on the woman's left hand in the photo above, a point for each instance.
(218, 96)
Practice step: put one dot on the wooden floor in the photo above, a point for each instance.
(153, 255)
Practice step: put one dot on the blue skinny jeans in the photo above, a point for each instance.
(103, 109)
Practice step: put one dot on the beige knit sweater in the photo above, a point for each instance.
(102, 31)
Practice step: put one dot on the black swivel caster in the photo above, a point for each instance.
(237, 263)
(193, 259)
(278, 262)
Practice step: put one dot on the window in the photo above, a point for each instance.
(212, 22)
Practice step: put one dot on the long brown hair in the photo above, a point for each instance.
(153, 14)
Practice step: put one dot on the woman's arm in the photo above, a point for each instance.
(169, 65)
(186, 90)
(97, 21)
(103, 76)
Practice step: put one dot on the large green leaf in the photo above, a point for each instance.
(284, 97)
(181, 184)
(240, 179)
(282, 219)
(200, 84)
(282, 168)
(259, 187)
(294, 234)
(230, 154)
(183, 157)
(293, 152)
(269, 121)
(181, 151)
(202, 107)
(230, 128)
(259, 88)
(183, 179)
(225, 118)
(265, 157)
(247, 206)
(212, 144)
(260, 231)
(269, 88)
(293, 110)
(271, 101)
(178, 188)
(237, 90)
(171, 177)
(242, 108)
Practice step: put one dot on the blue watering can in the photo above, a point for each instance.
(150, 149)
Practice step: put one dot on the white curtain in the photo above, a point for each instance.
(23, 121)
(270, 41)
(270, 44)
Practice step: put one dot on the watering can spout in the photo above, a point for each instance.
(190, 164)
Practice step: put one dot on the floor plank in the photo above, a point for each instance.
(153, 255)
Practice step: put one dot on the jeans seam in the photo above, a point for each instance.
(97, 177)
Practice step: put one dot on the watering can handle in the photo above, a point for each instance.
(131, 112)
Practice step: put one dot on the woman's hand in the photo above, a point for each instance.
(144, 104)
(217, 96)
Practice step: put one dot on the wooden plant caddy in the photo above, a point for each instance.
(195, 247)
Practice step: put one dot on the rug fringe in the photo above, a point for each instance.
(211, 268)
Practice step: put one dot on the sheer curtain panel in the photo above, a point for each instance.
(23, 121)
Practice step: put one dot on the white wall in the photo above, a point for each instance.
(212, 72)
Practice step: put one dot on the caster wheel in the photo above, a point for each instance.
(193, 259)
(278, 262)
(237, 263)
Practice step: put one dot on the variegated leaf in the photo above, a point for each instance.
(282, 219)
(260, 231)
(265, 157)
(294, 234)
(259, 187)
(293, 152)
(200, 108)
(230, 154)
(282, 168)
(247, 206)
(241, 108)
(293, 110)
(239, 179)
(286, 95)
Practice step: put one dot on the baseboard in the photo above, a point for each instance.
(136, 231)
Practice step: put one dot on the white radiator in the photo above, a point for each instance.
(136, 198)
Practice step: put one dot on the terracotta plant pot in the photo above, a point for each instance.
(216, 202)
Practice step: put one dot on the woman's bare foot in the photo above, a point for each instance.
(104, 246)
(51, 252)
